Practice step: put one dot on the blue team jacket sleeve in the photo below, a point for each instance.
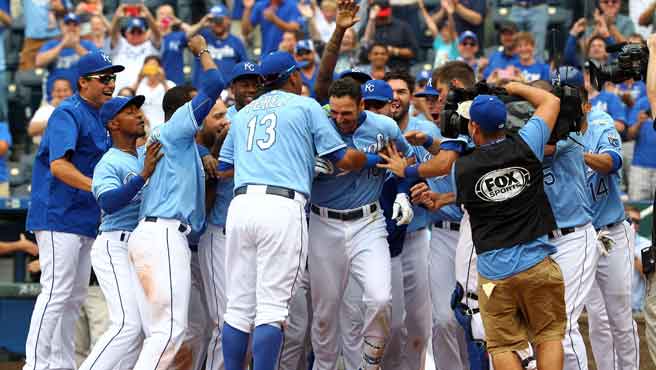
(63, 132)
(115, 199)
(569, 55)
(211, 86)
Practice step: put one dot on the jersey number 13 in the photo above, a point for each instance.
(269, 121)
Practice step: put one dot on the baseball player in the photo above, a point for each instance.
(411, 266)
(63, 213)
(449, 346)
(244, 84)
(271, 145)
(117, 182)
(173, 206)
(615, 240)
(349, 232)
(377, 96)
(577, 255)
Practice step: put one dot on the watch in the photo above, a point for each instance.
(202, 52)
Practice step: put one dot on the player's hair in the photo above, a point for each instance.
(153, 57)
(401, 74)
(455, 70)
(175, 98)
(346, 86)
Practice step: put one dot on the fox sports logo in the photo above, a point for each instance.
(503, 184)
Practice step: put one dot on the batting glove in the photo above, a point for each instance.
(605, 242)
(402, 209)
(323, 166)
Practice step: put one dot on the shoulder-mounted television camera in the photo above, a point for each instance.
(632, 61)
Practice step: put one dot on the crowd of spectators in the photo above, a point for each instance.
(501, 40)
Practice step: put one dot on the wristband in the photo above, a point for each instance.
(202, 52)
(428, 142)
(411, 172)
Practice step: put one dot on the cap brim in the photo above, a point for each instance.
(104, 70)
(425, 93)
(358, 76)
(246, 74)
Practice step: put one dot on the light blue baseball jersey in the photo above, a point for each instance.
(421, 215)
(274, 141)
(603, 190)
(114, 170)
(358, 188)
(176, 190)
(565, 183)
(224, 190)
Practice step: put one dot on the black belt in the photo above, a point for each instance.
(563, 231)
(528, 4)
(613, 224)
(182, 228)
(453, 226)
(345, 216)
(271, 190)
(124, 235)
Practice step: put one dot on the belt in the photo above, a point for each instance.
(528, 4)
(561, 232)
(182, 228)
(447, 225)
(124, 236)
(269, 189)
(351, 215)
(611, 225)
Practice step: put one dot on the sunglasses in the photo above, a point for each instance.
(610, 2)
(374, 104)
(104, 79)
(468, 43)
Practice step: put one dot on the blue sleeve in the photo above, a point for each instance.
(617, 161)
(536, 134)
(5, 135)
(5, 6)
(201, 105)
(223, 166)
(115, 199)
(617, 109)
(569, 55)
(202, 150)
(546, 72)
(63, 132)
(324, 134)
(242, 56)
(212, 83)
(256, 13)
(401, 143)
(227, 153)
(404, 185)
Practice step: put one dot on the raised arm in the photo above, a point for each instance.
(195, 28)
(347, 11)
(155, 34)
(246, 25)
(115, 29)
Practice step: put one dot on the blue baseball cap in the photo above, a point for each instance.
(377, 90)
(356, 74)
(277, 66)
(114, 106)
(489, 112)
(218, 11)
(429, 90)
(467, 35)
(304, 45)
(424, 75)
(569, 76)
(71, 17)
(244, 69)
(95, 63)
(135, 22)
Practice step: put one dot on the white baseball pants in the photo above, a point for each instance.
(211, 255)
(337, 248)
(109, 257)
(159, 253)
(449, 345)
(612, 329)
(65, 271)
(410, 294)
(266, 238)
(351, 319)
(577, 256)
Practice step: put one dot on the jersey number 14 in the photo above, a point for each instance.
(269, 121)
